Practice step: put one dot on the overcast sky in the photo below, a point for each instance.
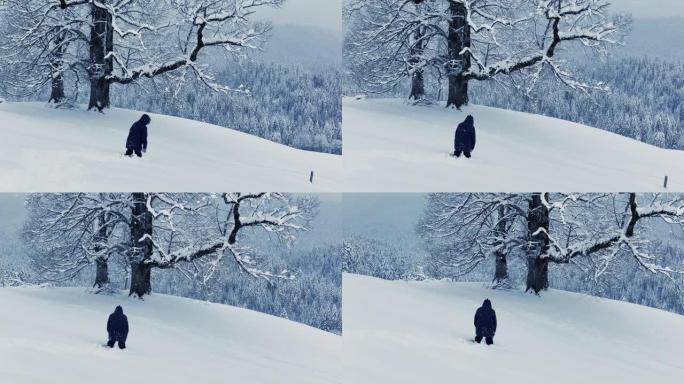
(320, 13)
(650, 8)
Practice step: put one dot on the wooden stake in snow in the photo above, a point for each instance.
(311, 177)
(665, 182)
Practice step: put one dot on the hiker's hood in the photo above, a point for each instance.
(145, 119)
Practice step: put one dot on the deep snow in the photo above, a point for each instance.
(392, 146)
(55, 335)
(49, 150)
(419, 332)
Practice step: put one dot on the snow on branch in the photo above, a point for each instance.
(197, 239)
(604, 234)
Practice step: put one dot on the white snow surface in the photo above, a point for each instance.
(420, 332)
(56, 335)
(57, 150)
(390, 146)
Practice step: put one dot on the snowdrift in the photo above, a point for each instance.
(48, 150)
(421, 332)
(55, 335)
(392, 146)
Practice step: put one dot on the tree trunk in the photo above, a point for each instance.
(458, 38)
(101, 64)
(101, 273)
(141, 248)
(417, 85)
(57, 94)
(501, 266)
(458, 91)
(141, 281)
(537, 245)
(101, 266)
(417, 76)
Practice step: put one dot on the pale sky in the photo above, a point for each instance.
(650, 8)
(320, 13)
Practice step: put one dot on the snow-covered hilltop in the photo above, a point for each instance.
(420, 332)
(55, 335)
(49, 150)
(392, 146)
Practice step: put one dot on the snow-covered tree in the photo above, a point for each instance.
(461, 231)
(604, 228)
(41, 44)
(196, 233)
(508, 41)
(390, 40)
(590, 230)
(123, 41)
(68, 232)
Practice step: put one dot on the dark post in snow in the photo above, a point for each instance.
(141, 249)
(311, 177)
(665, 182)
(537, 244)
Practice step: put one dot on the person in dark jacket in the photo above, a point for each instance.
(137, 137)
(464, 138)
(117, 328)
(485, 323)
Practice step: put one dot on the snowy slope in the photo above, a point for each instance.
(55, 335)
(59, 150)
(391, 146)
(420, 332)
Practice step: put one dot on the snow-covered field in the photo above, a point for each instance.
(392, 146)
(420, 332)
(55, 335)
(47, 150)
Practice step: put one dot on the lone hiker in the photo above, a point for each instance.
(464, 138)
(117, 328)
(485, 323)
(137, 137)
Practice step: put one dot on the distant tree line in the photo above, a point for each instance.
(297, 107)
(644, 101)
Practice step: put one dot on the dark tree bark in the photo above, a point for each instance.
(101, 66)
(417, 77)
(101, 266)
(501, 266)
(417, 85)
(101, 273)
(537, 245)
(141, 248)
(57, 94)
(458, 38)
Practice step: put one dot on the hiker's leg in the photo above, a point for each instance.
(478, 339)
(138, 153)
(129, 152)
(110, 343)
(467, 154)
(122, 344)
(489, 340)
